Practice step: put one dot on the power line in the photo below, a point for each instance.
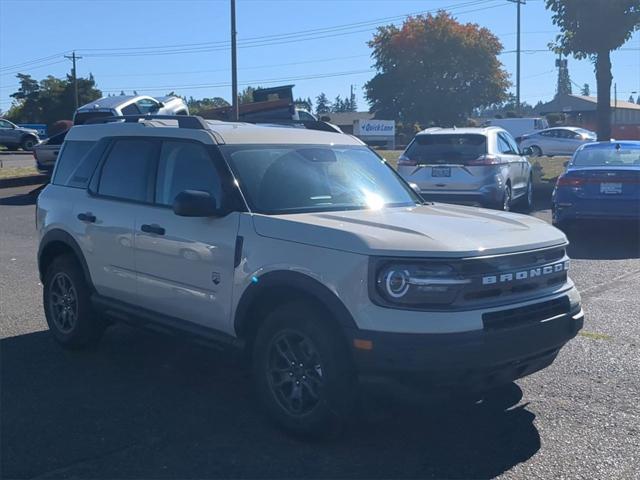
(247, 82)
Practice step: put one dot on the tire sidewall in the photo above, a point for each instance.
(507, 199)
(25, 146)
(88, 326)
(338, 396)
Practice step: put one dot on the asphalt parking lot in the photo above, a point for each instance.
(147, 406)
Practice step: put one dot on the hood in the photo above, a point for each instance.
(29, 130)
(438, 230)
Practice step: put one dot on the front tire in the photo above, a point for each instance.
(536, 151)
(527, 202)
(303, 373)
(67, 305)
(505, 204)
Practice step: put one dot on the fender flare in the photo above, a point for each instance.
(298, 283)
(60, 236)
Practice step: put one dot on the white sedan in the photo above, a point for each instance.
(556, 141)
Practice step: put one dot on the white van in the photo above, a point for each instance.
(519, 126)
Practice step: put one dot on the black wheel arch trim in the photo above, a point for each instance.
(298, 283)
(60, 236)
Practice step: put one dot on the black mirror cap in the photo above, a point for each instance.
(195, 203)
(527, 151)
(566, 163)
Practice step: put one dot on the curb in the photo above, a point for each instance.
(22, 181)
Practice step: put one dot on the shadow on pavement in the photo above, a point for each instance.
(22, 199)
(147, 406)
(604, 240)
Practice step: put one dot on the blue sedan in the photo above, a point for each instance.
(602, 181)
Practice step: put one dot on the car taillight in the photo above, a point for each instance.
(485, 160)
(566, 181)
(404, 161)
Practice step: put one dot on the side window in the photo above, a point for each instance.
(146, 105)
(512, 143)
(5, 124)
(131, 109)
(546, 133)
(503, 145)
(185, 166)
(74, 166)
(127, 172)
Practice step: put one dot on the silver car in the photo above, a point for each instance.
(556, 141)
(13, 137)
(46, 153)
(471, 166)
(130, 105)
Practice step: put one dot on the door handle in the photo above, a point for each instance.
(87, 217)
(157, 229)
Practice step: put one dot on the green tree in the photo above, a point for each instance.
(305, 104)
(196, 107)
(434, 70)
(585, 90)
(564, 80)
(246, 95)
(631, 99)
(50, 100)
(338, 105)
(593, 31)
(322, 104)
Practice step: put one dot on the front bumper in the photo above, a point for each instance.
(479, 359)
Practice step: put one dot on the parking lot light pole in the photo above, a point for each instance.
(234, 67)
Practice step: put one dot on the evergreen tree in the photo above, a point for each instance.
(586, 91)
(631, 100)
(338, 105)
(322, 104)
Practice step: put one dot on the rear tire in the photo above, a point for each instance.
(527, 201)
(67, 305)
(28, 143)
(536, 151)
(505, 204)
(303, 373)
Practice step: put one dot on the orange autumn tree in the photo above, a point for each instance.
(434, 70)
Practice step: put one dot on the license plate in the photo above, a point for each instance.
(441, 172)
(611, 188)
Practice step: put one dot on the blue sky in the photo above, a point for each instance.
(155, 46)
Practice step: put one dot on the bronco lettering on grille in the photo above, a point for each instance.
(526, 274)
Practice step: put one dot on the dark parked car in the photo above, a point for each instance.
(602, 181)
(45, 153)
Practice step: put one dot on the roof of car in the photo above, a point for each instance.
(233, 133)
(460, 131)
(111, 102)
(613, 144)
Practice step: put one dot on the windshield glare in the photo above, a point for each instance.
(298, 178)
(591, 157)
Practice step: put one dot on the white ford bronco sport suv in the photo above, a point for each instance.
(304, 249)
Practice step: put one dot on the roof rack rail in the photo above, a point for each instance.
(308, 124)
(184, 121)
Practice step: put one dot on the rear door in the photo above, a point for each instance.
(185, 265)
(510, 152)
(123, 183)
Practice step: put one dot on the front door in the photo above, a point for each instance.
(185, 265)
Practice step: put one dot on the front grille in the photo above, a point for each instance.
(516, 317)
(490, 277)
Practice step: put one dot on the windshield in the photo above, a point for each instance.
(593, 157)
(428, 149)
(299, 178)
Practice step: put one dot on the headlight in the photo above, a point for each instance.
(414, 284)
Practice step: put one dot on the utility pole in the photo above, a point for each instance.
(235, 115)
(73, 57)
(518, 3)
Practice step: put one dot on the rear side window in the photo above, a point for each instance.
(75, 165)
(127, 172)
(185, 166)
(131, 109)
(446, 148)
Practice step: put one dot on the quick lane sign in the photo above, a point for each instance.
(375, 128)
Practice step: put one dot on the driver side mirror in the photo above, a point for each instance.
(565, 164)
(527, 151)
(195, 203)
